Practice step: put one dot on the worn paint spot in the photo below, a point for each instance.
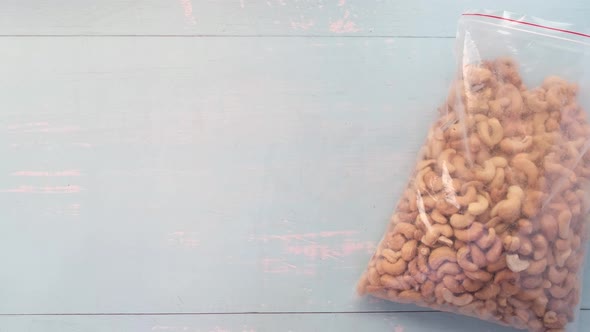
(324, 251)
(69, 189)
(187, 7)
(344, 25)
(302, 24)
(306, 236)
(41, 127)
(72, 172)
(183, 239)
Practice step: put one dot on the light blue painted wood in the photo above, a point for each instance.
(388, 322)
(150, 175)
(196, 170)
(212, 175)
(268, 17)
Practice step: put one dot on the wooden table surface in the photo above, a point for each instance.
(193, 165)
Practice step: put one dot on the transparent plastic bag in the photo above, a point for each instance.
(493, 222)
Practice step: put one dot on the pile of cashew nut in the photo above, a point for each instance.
(493, 221)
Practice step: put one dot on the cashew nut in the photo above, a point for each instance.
(516, 145)
(515, 264)
(496, 135)
(477, 208)
(509, 209)
(459, 301)
(440, 255)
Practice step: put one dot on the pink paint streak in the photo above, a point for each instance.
(15, 126)
(279, 265)
(69, 189)
(73, 172)
(187, 7)
(183, 239)
(322, 251)
(306, 236)
(41, 127)
(302, 24)
(341, 3)
(344, 25)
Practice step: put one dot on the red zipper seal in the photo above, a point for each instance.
(530, 24)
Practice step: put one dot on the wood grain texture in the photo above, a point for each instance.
(375, 322)
(421, 18)
(217, 176)
(150, 175)
(168, 175)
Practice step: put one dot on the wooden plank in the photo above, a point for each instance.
(270, 17)
(386, 322)
(205, 175)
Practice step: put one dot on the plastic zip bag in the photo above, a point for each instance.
(493, 222)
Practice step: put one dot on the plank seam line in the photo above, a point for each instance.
(229, 313)
(214, 36)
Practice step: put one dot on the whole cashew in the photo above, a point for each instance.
(479, 275)
(496, 266)
(506, 275)
(391, 255)
(496, 135)
(405, 229)
(464, 261)
(498, 179)
(535, 100)
(440, 255)
(471, 285)
(469, 196)
(530, 294)
(461, 169)
(516, 145)
(537, 267)
(511, 243)
(438, 217)
(515, 264)
(528, 167)
(424, 164)
(556, 276)
(549, 227)
(479, 207)
(541, 245)
(487, 173)
(453, 284)
(487, 240)
(444, 161)
(447, 268)
(459, 221)
(408, 251)
(459, 301)
(394, 282)
(470, 234)
(488, 292)
(532, 203)
(509, 209)
(526, 247)
(410, 296)
(394, 269)
(495, 251)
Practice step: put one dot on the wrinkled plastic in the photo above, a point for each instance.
(493, 222)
